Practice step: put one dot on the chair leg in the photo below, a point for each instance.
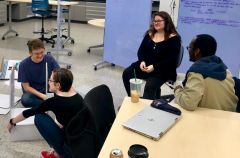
(43, 38)
(43, 31)
(55, 36)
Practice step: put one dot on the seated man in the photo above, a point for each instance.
(32, 74)
(208, 82)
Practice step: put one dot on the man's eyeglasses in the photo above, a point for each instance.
(189, 48)
(38, 53)
(157, 21)
(51, 80)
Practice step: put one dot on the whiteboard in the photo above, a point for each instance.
(219, 18)
(126, 22)
(171, 7)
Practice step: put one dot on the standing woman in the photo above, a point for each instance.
(157, 56)
(65, 105)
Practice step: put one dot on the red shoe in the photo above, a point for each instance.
(47, 154)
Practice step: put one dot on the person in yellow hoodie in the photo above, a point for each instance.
(208, 82)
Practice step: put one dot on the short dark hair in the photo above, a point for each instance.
(35, 44)
(206, 43)
(64, 77)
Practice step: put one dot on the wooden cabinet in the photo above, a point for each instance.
(87, 10)
(95, 9)
(78, 12)
(20, 11)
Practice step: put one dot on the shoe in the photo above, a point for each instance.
(47, 154)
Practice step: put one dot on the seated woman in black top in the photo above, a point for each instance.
(157, 56)
(65, 105)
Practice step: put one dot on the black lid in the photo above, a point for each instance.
(138, 151)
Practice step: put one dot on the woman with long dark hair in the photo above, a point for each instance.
(157, 56)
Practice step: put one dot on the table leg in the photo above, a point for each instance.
(10, 30)
(69, 38)
(58, 47)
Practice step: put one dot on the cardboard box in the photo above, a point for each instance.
(25, 130)
(5, 103)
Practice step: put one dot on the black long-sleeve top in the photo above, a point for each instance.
(162, 55)
(65, 108)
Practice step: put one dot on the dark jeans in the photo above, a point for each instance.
(153, 82)
(30, 100)
(53, 134)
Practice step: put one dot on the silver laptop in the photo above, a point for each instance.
(151, 122)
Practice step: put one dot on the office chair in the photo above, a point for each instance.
(41, 7)
(237, 92)
(100, 102)
(82, 137)
(170, 83)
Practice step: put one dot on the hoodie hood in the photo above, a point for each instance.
(210, 66)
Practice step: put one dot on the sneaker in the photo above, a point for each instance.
(47, 154)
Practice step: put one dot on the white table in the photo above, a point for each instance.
(51, 2)
(203, 133)
(98, 23)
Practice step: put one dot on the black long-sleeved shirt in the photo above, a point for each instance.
(162, 55)
(65, 108)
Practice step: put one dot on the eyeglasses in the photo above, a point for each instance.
(188, 47)
(158, 21)
(51, 80)
(38, 53)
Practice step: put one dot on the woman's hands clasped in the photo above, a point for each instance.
(145, 68)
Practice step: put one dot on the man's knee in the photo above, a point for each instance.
(26, 99)
(30, 100)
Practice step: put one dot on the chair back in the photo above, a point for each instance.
(81, 135)
(100, 102)
(237, 92)
(179, 61)
(180, 56)
(40, 6)
(170, 83)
